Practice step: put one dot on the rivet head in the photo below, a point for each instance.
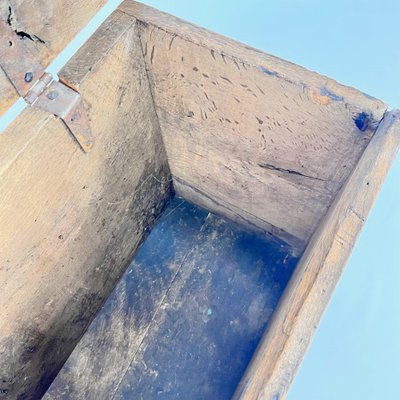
(28, 77)
(52, 95)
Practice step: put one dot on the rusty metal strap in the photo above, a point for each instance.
(39, 89)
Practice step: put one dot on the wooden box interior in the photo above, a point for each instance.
(186, 316)
(287, 154)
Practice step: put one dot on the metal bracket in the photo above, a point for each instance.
(39, 89)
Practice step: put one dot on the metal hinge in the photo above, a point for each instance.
(39, 89)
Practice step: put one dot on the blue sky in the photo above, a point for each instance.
(356, 351)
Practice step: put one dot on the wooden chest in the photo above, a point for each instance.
(284, 157)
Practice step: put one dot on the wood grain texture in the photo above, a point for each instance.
(177, 324)
(249, 130)
(47, 27)
(70, 222)
(306, 297)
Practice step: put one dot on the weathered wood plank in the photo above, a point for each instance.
(95, 50)
(177, 324)
(250, 130)
(306, 297)
(47, 27)
(70, 222)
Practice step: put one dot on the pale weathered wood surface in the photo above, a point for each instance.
(177, 324)
(306, 297)
(47, 27)
(250, 131)
(70, 222)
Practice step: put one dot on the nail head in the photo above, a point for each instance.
(28, 77)
(75, 117)
(52, 95)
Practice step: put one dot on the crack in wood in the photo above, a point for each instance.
(358, 215)
(289, 171)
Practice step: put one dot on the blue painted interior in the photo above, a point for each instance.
(203, 289)
(210, 331)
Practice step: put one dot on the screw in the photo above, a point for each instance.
(28, 77)
(52, 95)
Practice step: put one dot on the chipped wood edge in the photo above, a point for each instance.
(295, 320)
